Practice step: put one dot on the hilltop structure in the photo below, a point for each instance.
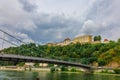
(80, 39)
(52, 44)
(83, 39)
(65, 42)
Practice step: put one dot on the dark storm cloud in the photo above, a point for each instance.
(54, 28)
(51, 21)
(27, 5)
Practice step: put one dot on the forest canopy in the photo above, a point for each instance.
(101, 53)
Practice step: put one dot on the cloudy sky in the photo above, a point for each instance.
(44, 21)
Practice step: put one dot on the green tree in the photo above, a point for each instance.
(97, 38)
(64, 68)
(119, 40)
(117, 71)
(101, 62)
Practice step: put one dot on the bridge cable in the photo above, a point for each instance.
(8, 41)
(3, 40)
(12, 36)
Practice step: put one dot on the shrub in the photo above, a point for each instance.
(117, 71)
(52, 69)
(63, 68)
(73, 70)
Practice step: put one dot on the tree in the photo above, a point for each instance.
(101, 62)
(117, 71)
(64, 68)
(119, 40)
(97, 38)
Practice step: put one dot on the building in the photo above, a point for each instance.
(83, 39)
(96, 42)
(51, 44)
(79, 39)
(106, 41)
(29, 64)
(66, 42)
(43, 64)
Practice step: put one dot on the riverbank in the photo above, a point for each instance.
(11, 68)
(15, 68)
(107, 74)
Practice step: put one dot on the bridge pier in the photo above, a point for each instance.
(27, 68)
(89, 71)
(15, 63)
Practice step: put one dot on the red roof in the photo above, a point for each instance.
(105, 40)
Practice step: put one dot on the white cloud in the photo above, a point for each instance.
(103, 19)
(14, 19)
(91, 27)
(24, 37)
(26, 25)
(12, 15)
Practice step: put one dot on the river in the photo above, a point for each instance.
(27, 75)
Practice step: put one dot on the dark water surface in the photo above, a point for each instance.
(20, 75)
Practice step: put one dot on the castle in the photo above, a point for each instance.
(79, 39)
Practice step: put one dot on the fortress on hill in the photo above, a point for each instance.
(80, 39)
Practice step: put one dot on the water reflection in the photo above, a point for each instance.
(27, 75)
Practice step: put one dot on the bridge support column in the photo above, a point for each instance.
(15, 63)
(89, 71)
(30, 68)
(27, 68)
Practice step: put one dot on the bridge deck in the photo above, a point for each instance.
(20, 58)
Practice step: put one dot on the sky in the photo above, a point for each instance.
(44, 21)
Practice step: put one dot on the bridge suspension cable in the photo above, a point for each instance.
(11, 42)
(21, 42)
(8, 41)
(12, 36)
(3, 40)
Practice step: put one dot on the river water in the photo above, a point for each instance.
(27, 75)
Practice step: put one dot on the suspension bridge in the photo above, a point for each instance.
(22, 58)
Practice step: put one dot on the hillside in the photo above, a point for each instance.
(102, 54)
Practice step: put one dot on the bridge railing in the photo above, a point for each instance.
(75, 60)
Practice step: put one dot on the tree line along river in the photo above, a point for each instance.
(30, 75)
